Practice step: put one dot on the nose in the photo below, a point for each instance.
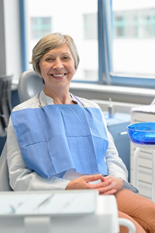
(58, 64)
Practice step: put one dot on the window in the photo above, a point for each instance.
(68, 17)
(134, 24)
(115, 38)
(90, 26)
(119, 25)
(40, 26)
(134, 38)
(90, 74)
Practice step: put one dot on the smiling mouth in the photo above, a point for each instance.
(58, 75)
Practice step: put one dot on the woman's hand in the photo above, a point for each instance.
(107, 185)
(116, 184)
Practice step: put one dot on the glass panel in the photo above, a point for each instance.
(40, 26)
(68, 17)
(134, 37)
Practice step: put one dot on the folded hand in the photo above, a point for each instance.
(105, 185)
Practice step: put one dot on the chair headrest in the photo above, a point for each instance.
(30, 84)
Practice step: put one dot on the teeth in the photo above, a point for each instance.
(57, 75)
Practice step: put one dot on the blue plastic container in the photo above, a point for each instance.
(142, 134)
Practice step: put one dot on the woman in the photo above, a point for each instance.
(59, 141)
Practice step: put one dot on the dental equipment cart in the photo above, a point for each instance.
(142, 159)
(60, 211)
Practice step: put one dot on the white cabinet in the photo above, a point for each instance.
(145, 158)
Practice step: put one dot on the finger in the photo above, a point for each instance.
(108, 177)
(105, 178)
(104, 184)
(92, 177)
(102, 178)
(107, 188)
(111, 192)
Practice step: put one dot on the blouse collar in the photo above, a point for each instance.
(46, 100)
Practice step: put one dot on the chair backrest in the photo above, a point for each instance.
(5, 102)
(29, 85)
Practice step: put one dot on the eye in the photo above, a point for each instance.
(66, 58)
(49, 59)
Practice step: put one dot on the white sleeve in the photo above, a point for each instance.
(21, 177)
(115, 164)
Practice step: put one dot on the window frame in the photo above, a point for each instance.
(23, 34)
(105, 74)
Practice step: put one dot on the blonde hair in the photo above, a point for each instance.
(50, 42)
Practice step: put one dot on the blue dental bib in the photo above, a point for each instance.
(56, 138)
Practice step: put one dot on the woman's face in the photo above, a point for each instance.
(57, 68)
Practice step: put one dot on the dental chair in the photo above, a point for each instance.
(30, 84)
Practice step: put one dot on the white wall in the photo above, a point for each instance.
(10, 47)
